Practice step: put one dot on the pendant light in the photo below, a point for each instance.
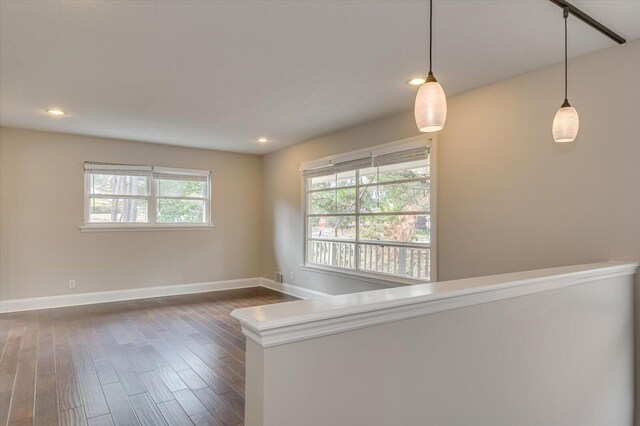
(566, 121)
(431, 103)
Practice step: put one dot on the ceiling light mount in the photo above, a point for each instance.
(55, 111)
(569, 8)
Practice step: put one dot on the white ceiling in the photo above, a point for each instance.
(218, 75)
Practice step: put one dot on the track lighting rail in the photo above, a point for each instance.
(589, 21)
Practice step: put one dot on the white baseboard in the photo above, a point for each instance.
(292, 290)
(30, 304)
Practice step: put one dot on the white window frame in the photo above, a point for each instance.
(428, 140)
(152, 201)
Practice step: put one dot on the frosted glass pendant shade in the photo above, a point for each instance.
(566, 124)
(431, 106)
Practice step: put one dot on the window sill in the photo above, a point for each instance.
(142, 228)
(386, 280)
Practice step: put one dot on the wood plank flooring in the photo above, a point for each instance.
(166, 361)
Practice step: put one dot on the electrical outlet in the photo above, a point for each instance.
(278, 277)
(72, 283)
(291, 275)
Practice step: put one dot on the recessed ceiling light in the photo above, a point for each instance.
(418, 81)
(56, 112)
(263, 140)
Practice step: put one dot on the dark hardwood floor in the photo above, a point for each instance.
(172, 360)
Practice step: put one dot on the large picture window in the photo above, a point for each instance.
(145, 196)
(371, 214)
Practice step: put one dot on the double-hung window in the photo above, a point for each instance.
(126, 196)
(369, 213)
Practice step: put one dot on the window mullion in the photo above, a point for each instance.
(365, 185)
(207, 202)
(305, 219)
(88, 185)
(171, 197)
(357, 245)
(153, 200)
(119, 196)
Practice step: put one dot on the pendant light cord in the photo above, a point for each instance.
(430, 32)
(565, 14)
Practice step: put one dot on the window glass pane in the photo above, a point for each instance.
(338, 227)
(118, 184)
(333, 181)
(346, 178)
(403, 228)
(117, 210)
(400, 261)
(322, 182)
(393, 172)
(333, 201)
(182, 188)
(329, 253)
(180, 211)
(395, 197)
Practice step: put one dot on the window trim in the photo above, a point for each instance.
(152, 202)
(377, 277)
(144, 227)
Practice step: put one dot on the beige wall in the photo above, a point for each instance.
(41, 207)
(509, 198)
(512, 199)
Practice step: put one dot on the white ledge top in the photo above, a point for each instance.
(281, 323)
